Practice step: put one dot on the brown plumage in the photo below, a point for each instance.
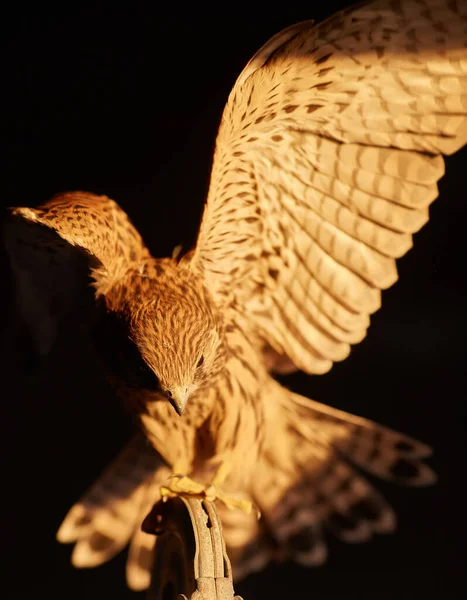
(327, 158)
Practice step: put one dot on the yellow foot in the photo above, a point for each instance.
(181, 485)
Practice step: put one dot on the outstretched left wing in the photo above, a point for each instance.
(55, 248)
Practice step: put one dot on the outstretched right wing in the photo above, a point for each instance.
(327, 158)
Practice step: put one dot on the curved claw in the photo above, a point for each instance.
(181, 485)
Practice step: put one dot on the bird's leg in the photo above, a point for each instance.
(181, 485)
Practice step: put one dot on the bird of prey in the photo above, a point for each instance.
(327, 158)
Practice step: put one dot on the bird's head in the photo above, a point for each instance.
(168, 341)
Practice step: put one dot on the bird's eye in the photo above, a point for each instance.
(200, 362)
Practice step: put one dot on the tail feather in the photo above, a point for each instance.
(307, 546)
(308, 481)
(372, 447)
(140, 559)
(110, 513)
(337, 498)
(250, 548)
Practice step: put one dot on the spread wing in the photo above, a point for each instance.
(51, 281)
(54, 248)
(327, 158)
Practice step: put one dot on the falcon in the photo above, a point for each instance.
(326, 161)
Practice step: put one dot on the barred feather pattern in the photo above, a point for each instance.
(110, 513)
(327, 158)
(96, 225)
(329, 449)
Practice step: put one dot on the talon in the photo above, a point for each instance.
(181, 485)
(210, 493)
(165, 493)
(246, 506)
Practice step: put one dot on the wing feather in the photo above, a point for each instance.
(110, 513)
(327, 159)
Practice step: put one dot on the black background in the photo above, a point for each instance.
(126, 102)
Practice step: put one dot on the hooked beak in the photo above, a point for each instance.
(178, 398)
